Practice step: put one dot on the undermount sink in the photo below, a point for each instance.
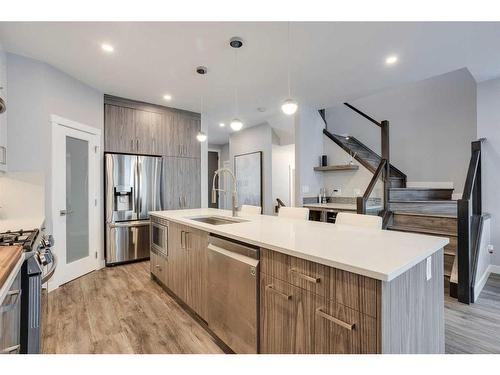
(216, 220)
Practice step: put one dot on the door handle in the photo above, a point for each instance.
(65, 212)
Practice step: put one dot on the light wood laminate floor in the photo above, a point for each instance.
(121, 310)
(474, 328)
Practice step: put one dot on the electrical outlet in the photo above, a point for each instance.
(429, 268)
(491, 249)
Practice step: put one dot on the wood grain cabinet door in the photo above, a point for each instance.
(196, 264)
(191, 191)
(176, 271)
(286, 318)
(341, 330)
(119, 129)
(182, 140)
(173, 182)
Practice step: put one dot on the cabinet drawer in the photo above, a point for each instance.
(341, 330)
(286, 318)
(304, 274)
(349, 289)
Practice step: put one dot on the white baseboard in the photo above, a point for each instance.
(492, 268)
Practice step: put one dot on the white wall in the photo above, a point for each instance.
(36, 91)
(432, 123)
(488, 126)
(283, 159)
(308, 149)
(350, 183)
(256, 138)
(22, 196)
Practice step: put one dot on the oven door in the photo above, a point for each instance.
(159, 238)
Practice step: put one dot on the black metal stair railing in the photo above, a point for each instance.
(469, 227)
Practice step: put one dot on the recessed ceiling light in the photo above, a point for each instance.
(167, 97)
(221, 124)
(107, 47)
(391, 60)
(261, 109)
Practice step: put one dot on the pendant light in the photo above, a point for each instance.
(201, 136)
(236, 124)
(289, 106)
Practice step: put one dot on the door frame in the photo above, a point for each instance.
(209, 183)
(95, 216)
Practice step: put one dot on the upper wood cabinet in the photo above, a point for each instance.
(119, 129)
(140, 128)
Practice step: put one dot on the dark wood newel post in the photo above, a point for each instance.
(384, 136)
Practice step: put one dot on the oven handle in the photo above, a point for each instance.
(50, 273)
(129, 224)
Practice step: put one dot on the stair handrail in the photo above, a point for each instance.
(379, 172)
(469, 205)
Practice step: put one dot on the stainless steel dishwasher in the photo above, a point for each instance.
(233, 293)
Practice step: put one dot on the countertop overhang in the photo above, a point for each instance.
(379, 254)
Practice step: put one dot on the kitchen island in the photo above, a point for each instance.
(323, 288)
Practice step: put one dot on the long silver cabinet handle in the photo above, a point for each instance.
(270, 288)
(11, 349)
(332, 319)
(305, 277)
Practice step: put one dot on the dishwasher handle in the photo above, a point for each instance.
(236, 256)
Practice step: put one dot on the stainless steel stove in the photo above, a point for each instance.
(38, 268)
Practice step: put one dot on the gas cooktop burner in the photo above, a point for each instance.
(26, 238)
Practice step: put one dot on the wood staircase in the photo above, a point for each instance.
(429, 211)
(366, 157)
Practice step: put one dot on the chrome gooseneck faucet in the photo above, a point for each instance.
(235, 191)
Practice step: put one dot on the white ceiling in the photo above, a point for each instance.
(330, 61)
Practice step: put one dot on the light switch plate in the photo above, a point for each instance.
(429, 268)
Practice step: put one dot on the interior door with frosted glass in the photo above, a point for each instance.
(74, 219)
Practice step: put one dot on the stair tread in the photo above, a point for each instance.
(404, 228)
(421, 188)
(434, 201)
(425, 214)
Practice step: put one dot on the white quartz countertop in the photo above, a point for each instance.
(21, 223)
(379, 254)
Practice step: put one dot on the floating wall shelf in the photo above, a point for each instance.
(332, 168)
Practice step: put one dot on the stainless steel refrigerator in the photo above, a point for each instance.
(133, 185)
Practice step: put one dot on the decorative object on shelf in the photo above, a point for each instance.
(323, 161)
(248, 172)
(289, 106)
(236, 43)
(341, 167)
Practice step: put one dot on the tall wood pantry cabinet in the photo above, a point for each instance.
(133, 127)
